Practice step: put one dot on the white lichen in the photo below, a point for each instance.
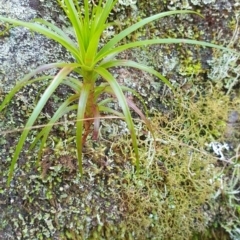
(196, 2)
(218, 149)
(127, 2)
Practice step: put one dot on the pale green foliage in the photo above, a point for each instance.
(91, 63)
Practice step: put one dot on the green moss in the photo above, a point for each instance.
(190, 68)
(170, 198)
(4, 29)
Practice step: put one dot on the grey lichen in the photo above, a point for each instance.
(196, 2)
(225, 69)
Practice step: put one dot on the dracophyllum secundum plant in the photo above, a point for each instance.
(91, 63)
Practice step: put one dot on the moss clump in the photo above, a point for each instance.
(170, 198)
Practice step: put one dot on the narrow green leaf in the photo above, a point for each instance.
(73, 83)
(136, 26)
(26, 81)
(106, 101)
(160, 41)
(47, 130)
(129, 63)
(133, 106)
(11, 94)
(110, 110)
(97, 26)
(80, 118)
(123, 103)
(63, 109)
(77, 23)
(47, 94)
(96, 123)
(48, 33)
(54, 29)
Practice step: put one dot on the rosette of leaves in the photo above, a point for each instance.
(90, 63)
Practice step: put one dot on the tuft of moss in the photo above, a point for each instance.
(172, 197)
